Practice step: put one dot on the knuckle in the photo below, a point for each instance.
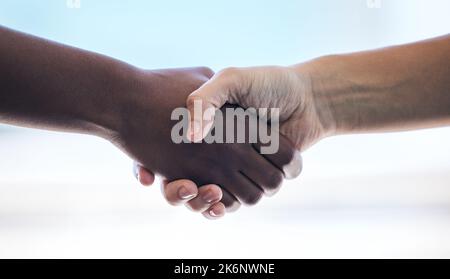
(207, 71)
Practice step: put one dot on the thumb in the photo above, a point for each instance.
(212, 95)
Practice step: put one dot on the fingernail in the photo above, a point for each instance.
(294, 168)
(185, 194)
(209, 197)
(213, 214)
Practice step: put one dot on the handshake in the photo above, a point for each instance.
(215, 156)
(225, 139)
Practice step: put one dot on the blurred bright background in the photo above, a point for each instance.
(64, 195)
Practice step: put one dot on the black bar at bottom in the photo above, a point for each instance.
(238, 268)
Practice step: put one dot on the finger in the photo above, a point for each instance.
(212, 95)
(207, 196)
(231, 203)
(216, 211)
(245, 190)
(287, 158)
(143, 175)
(294, 168)
(179, 191)
(207, 72)
(263, 173)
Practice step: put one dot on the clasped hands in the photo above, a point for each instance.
(218, 178)
(47, 85)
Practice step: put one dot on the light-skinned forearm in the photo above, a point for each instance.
(392, 89)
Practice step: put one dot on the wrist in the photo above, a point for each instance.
(113, 100)
(314, 75)
(335, 95)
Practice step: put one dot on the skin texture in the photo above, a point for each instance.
(392, 89)
(266, 87)
(235, 167)
(51, 86)
(397, 88)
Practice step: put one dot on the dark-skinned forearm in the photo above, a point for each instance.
(47, 85)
